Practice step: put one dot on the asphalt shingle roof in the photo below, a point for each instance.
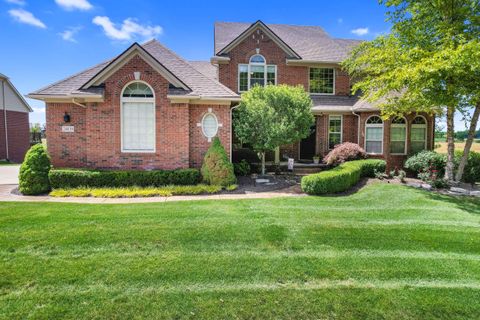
(310, 42)
(327, 103)
(200, 84)
(206, 68)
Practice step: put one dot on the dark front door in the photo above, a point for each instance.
(307, 145)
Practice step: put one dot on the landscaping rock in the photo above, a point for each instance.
(475, 193)
(261, 180)
(426, 186)
(414, 184)
(460, 190)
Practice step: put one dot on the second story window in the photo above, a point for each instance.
(322, 80)
(256, 72)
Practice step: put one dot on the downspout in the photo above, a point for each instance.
(358, 126)
(231, 131)
(5, 120)
(78, 104)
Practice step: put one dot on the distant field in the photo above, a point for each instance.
(458, 146)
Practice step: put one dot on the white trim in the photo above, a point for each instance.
(374, 126)
(209, 113)
(142, 100)
(396, 125)
(420, 126)
(341, 129)
(334, 78)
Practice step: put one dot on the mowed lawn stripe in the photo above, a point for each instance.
(386, 251)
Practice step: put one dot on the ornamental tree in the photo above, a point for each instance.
(428, 63)
(272, 116)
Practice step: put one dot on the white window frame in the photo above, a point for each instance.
(334, 80)
(421, 126)
(341, 128)
(376, 125)
(265, 71)
(136, 100)
(397, 125)
(203, 128)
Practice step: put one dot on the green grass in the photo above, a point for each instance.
(387, 251)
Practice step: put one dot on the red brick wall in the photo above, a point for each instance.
(198, 142)
(96, 141)
(18, 135)
(286, 74)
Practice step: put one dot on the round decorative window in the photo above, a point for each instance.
(209, 125)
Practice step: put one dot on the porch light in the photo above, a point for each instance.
(66, 117)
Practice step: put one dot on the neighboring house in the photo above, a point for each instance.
(148, 108)
(14, 125)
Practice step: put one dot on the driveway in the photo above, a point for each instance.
(9, 174)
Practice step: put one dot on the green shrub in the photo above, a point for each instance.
(216, 168)
(471, 173)
(341, 178)
(33, 177)
(73, 178)
(426, 160)
(242, 168)
(136, 192)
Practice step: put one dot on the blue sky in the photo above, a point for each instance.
(47, 40)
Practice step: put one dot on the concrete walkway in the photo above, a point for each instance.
(9, 174)
(6, 195)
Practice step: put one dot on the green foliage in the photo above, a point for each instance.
(232, 187)
(426, 160)
(33, 177)
(216, 168)
(136, 192)
(73, 178)
(272, 116)
(341, 178)
(471, 173)
(242, 168)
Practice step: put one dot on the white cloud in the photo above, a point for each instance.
(17, 2)
(360, 31)
(128, 30)
(74, 4)
(27, 17)
(69, 34)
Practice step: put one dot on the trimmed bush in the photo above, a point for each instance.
(242, 168)
(347, 151)
(341, 178)
(425, 161)
(216, 168)
(33, 177)
(135, 192)
(74, 178)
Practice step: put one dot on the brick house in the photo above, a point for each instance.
(149, 108)
(14, 126)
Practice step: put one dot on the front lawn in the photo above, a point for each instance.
(387, 251)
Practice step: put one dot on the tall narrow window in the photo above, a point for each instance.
(418, 135)
(374, 135)
(334, 131)
(398, 136)
(257, 72)
(138, 118)
(322, 80)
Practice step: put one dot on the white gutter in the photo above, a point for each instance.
(5, 120)
(78, 104)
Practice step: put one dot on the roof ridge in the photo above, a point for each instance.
(70, 77)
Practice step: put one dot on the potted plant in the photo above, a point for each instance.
(316, 159)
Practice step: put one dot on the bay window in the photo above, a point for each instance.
(257, 72)
(398, 136)
(418, 135)
(374, 135)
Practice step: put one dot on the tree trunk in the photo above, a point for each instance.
(468, 144)
(451, 144)
(263, 163)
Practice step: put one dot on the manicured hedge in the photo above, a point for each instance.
(74, 178)
(33, 177)
(341, 178)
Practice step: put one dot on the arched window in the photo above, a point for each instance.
(138, 118)
(398, 136)
(209, 125)
(418, 134)
(257, 72)
(374, 135)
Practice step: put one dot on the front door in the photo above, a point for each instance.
(307, 145)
